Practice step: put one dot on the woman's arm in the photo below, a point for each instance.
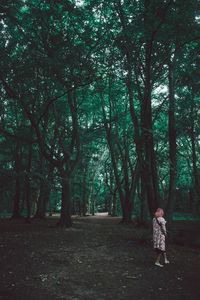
(163, 225)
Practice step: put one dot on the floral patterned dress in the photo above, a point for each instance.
(159, 233)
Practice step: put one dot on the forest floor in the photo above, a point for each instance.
(96, 259)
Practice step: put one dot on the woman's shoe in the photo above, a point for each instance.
(166, 262)
(158, 264)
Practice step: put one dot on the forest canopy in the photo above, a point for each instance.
(100, 106)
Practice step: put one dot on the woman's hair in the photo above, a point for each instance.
(159, 213)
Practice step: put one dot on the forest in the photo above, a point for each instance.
(99, 127)
(100, 106)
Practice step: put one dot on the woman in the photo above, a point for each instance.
(159, 235)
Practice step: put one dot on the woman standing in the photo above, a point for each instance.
(159, 235)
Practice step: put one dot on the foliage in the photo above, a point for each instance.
(86, 95)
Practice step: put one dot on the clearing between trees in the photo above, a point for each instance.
(98, 259)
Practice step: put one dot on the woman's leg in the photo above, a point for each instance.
(165, 258)
(158, 256)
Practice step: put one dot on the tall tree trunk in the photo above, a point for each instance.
(113, 158)
(43, 200)
(196, 175)
(45, 190)
(65, 215)
(129, 83)
(114, 203)
(127, 210)
(143, 203)
(16, 207)
(27, 183)
(144, 144)
(84, 201)
(149, 168)
(172, 142)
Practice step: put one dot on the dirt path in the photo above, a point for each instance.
(97, 259)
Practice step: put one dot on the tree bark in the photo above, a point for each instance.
(114, 204)
(43, 200)
(45, 188)
(16, 207)
(172, 143)
(149, 169)
(27, 183)
(65, 215)
(196, 174)
(144, 139)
